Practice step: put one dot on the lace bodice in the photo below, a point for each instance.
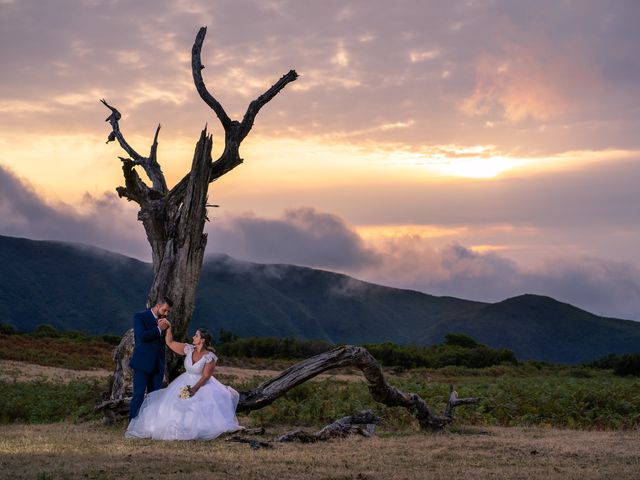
(198, 367)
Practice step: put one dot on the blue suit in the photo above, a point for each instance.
(147, 360)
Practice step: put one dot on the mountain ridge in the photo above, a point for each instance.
(73, 286)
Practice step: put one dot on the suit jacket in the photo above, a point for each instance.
(148, 351)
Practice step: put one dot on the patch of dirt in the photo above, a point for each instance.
(247, 374)
(11, 370)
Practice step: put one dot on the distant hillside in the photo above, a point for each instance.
(84, 288)
(538, 327)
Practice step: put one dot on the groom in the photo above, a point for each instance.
(147, 360)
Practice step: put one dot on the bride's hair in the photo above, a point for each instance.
(208, 339)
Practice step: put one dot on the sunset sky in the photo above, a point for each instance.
(480, 149)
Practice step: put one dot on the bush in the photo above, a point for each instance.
(437, 356)
(628, 365)
(460, 339)
(227, 337)
(73, 335)
(8, 329)
(608, 362)
(110, 339)
(271, 347)
(45, 330)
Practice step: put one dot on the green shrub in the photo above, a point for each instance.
(436, 356)
(45, 330)
(110, 339)
(8, 329)
(272, 347)
(628, 365)
(460, 339)
(73, 335)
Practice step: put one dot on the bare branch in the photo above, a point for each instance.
(235, 131)
(135, 189)
(341, 428)
(150, 164)
(197, 67)
(262, 100)
(153, 153)
(116, 134)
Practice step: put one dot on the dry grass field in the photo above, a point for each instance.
(91, 450)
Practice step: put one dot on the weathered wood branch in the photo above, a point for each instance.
(135, 189)
(348, 355)
(149, 164)
(362, 423)
(196, 69)
(262, 100)
(235, 132)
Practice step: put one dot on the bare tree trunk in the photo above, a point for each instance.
(174, 219)
(348, 355)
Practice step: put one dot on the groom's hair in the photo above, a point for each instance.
(165, 299)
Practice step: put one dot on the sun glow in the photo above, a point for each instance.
(476, 161)
(401, 230)
(476, 167)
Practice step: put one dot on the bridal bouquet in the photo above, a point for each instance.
(185, 392)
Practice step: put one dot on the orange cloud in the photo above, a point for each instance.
(528, 81)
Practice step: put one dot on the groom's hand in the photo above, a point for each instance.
(163, 323)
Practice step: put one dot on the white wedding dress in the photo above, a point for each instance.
(210, 412)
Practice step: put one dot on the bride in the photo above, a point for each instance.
(195, 405)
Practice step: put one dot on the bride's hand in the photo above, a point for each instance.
(193, 390)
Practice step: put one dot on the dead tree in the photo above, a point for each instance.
(174, 218)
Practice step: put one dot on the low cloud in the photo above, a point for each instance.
(604, 287)
(302, 236)
(105, 221)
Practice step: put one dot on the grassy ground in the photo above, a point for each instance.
(531, 399)
(91, 450)
(476, 446)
